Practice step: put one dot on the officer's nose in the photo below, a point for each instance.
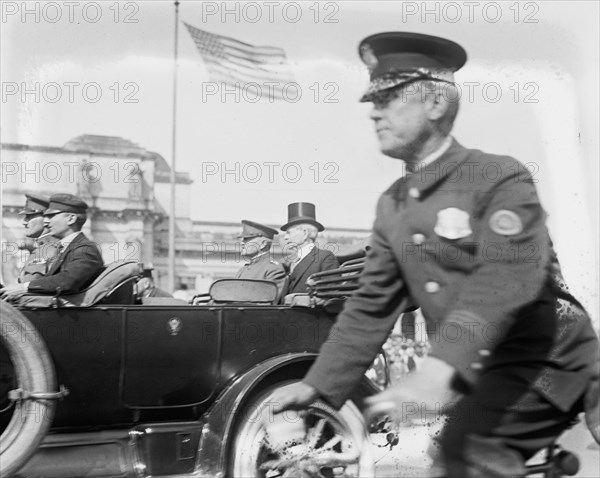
(375, 114)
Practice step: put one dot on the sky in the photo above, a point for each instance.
(529, 89)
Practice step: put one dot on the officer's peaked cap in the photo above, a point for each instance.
(34, 204)
(254, 229)
(396, 58)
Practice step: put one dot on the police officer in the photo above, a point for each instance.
(471, 249)
(256, 246)
(45, 246)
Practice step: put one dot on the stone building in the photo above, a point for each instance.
(128, 190)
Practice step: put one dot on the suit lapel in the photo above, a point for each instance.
(302, 266)
(60, 258)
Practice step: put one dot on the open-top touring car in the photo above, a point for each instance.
(105, 384)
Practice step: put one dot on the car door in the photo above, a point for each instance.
(171, 356)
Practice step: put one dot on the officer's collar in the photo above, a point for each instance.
(430, 158)
(428, 176)
(257, 257)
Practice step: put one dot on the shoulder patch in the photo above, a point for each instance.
(506, 223)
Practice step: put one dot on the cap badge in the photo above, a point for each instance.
(368, 56)
(506, 223)
(452, 223)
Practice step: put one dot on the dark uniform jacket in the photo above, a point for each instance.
(263, 268)
(73, 270)
(317, 260)
(39, 260)
(465, 238)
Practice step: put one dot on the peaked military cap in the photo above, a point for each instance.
(397, 58)
(34, 204)
(302, 213)
(254, 229)
(66, 203)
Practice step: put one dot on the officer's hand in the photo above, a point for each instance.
(13, 293)
(293, 397)
(421, 392)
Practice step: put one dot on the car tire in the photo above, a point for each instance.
(249, 450)
(34, 372)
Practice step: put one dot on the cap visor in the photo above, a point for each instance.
(50, 212)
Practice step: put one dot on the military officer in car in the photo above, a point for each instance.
(257, 240)
(45, 246)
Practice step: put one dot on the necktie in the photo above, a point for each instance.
(52, 260)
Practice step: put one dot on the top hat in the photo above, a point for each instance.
(66, 203)
(254, 229)
(34, 204)
(397, 58)
(302, 213)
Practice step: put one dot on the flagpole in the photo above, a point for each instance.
(171, 267)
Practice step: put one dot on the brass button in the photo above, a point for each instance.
(476, 366)
(418, 239)
(484, 353)
(432, 287)
(414, 193)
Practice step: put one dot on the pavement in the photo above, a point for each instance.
(409, 459)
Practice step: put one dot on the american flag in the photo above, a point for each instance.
(236, 63)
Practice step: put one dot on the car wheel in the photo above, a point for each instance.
(34, 372)
(336, 443)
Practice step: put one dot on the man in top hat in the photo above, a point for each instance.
(44, 246)
(521, 370)
(256, 247)
(301, 232)
(78, 262)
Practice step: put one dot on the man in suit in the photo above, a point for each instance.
(44, 246)
(301, 232)
(471, 249)
(78, 262)
(256, 247)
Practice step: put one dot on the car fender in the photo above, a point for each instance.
(220, 419)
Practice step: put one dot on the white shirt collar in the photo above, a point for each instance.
(303, 251)
(65, 241)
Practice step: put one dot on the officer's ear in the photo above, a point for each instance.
(437, 96)
(264, 243)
